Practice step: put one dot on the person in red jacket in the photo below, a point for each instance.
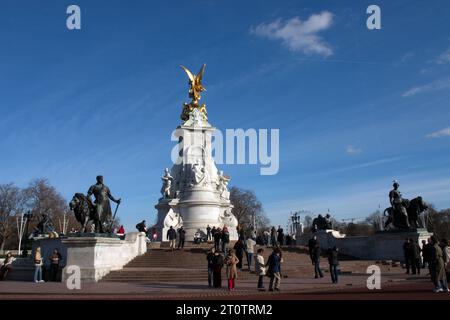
(121, 232)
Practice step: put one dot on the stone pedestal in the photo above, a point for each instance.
(97, 256)
(198, 190)
(383, 245)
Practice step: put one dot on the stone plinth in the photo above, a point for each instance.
(97, 256)
(383, 245)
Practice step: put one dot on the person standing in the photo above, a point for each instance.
(181, 237)
(55, 260)
(273, 237)
(416, 260)
(260, 268)
(407, 253)
(250, 244)
(438, 275)
(311, 245)
(208, 233)
(217, 262)
(266, 235)
(239, 250)
(210, 259)
(38, 262)
(6, 266)
(231, 262)
(316, 260)
(225, 238)
(426, 253)
(334, 263)
(274, 269)
(172, 237)
(280, 237)
(217, 237)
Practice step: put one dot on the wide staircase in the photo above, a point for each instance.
(190, 264)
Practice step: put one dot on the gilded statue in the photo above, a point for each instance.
(195, 89)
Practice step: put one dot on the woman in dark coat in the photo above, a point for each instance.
(239, 250)
(217, 264)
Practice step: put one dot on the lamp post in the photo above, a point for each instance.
(24, 218)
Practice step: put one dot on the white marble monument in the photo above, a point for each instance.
(194, 192)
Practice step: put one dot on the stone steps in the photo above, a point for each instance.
(163, 265)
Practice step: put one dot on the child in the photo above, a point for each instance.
(260, 268)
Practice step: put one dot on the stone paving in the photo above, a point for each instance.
(292, 288)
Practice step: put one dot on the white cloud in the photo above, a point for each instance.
(439, 134)
(353, 150)
(298, 35)
(440, 84)
(444, 57)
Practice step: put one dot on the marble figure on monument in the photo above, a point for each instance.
(167, 184)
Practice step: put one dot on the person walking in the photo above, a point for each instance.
(231, 261)
(181, 237)
(6, 266)
(250, 244)
(208, 233)
(55, 260)
(334, 263)
(38, 262)
(217, 264)
(210, 259)
(260, 268)
(172, 237)
(274, 269)
(316, 260)
(438, 275)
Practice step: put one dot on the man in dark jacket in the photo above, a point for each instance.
(217, 264)
(217, 237)
(172, 237)
(210, 259)
(316, 260)
(181, 237)
(408, 254)
(311, 245)
(274, 269)
(334, 263)
(208, 233)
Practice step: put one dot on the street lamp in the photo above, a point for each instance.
(24, 218)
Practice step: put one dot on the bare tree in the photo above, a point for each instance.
(43, 198)
(246, 206)
(375, 220)
(10, 205)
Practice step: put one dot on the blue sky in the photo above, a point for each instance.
(356, 108)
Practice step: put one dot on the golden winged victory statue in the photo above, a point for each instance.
(195, 88)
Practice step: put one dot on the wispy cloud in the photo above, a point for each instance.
(444, 57)
(439, 134)
(352, 150)
(298, 35)
(437, 85)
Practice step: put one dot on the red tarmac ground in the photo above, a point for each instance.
(351, 287)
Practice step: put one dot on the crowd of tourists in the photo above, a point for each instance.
(432, 257)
